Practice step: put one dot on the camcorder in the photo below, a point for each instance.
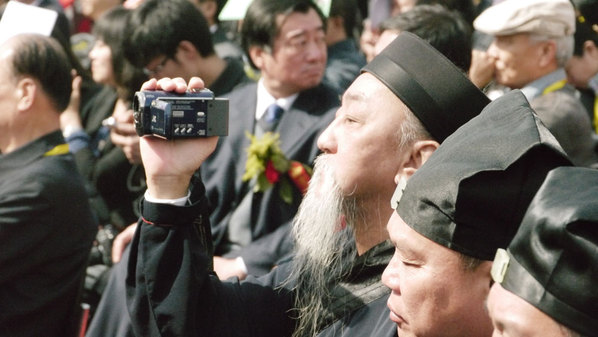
(170, 115)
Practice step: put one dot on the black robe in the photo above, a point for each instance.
(172, 291)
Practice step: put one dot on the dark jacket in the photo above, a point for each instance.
(46, 231)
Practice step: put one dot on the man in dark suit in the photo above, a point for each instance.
(285, 41)
(46, 224)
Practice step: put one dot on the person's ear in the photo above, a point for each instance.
(26, 91)
(257, 55)
(415, 157)
(547, 53)
(187, 51)
(483, 272)
(590, 48)
(420, 151)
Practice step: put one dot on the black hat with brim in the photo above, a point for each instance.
(430, 85)
(471, 194)
(552, 262)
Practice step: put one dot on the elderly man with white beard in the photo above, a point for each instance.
(393, 117)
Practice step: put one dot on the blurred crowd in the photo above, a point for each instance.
(283, 77)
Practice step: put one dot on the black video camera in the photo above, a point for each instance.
(170, 115)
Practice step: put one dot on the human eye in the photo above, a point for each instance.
(409, 263)
(348, 119)
(321, 38)
(298, 43)
(406, 261)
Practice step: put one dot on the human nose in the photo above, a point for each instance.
(390, 276)
(327, 140)
(316, 50)
(492, 50)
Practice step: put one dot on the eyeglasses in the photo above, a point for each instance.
(157, 69)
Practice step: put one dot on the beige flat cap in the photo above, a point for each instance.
(555, 18)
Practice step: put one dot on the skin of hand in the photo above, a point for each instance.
(481, 70)
(170, 164)
(226, 268)
(121, 241)
(70, 116)
(132, 4)
(123, 134)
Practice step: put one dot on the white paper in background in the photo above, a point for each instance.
(234, 10)
(324, 6)
(19, 18)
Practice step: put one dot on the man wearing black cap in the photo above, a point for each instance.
(466, 201)
(546, 280)
(383, 132)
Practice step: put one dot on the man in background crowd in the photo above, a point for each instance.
(46, 224)
(533, 40)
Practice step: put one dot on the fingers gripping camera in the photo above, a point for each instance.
(190, 115)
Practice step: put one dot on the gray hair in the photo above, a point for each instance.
(410, 131)
(564, 46)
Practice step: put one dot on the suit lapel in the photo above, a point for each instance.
(241, 122)
(296, 122)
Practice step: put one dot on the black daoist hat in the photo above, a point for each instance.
(470, 196)
(433, 88)
(552, 262)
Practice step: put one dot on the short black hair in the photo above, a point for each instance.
(467, 8)
(583, 33)
(219, 5)
(347, 9)
(43, 59)
(446, 30)
(111, 28)
(589, 9)
(157, 27)
(259, 25)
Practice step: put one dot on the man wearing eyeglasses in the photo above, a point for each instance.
(172, 38)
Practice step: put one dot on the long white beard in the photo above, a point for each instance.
(324, 247)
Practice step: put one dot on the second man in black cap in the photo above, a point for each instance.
(466, 201)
